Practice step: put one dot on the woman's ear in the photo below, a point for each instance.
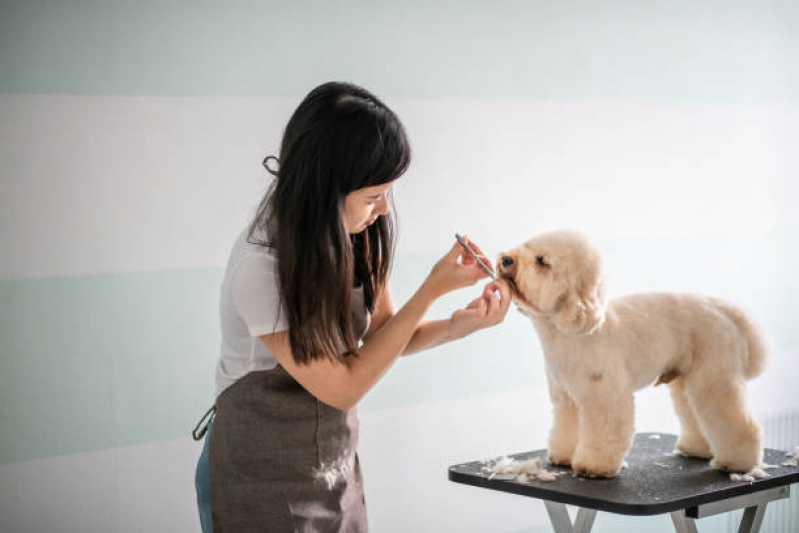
(580, 315)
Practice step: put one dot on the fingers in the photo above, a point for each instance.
(475, 311)
(455, 251)
(499, 285)
(473, 245)
(458, 268)
(498, 305)
(489, 309)
(504, 293)
(458, 250)
(479, 253)
(474, 303)
(493, 304)
(472, 271)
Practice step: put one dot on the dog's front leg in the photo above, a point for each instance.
(563, 436)
(606, 425)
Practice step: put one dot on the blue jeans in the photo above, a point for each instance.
(202, 483)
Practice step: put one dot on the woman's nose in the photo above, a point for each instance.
(382, 207)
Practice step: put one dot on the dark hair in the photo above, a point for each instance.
(341, 138)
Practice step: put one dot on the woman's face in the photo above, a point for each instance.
(363, 206)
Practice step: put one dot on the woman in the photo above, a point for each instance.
(309, 324)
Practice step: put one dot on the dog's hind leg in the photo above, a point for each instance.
(564, 433)
(691, 441)
(719, 403)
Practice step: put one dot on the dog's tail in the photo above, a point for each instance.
(757, 354)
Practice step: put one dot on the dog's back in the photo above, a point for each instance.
(673, 332)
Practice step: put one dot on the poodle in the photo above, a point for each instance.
(598, 353)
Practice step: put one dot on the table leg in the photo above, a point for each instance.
(562, 523)
(752, 519)
(585, 520)
(682, 523)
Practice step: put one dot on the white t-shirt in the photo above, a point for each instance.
(249, 306)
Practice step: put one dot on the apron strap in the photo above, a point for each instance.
(199, 432)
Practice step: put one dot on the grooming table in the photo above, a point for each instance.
(655, 481)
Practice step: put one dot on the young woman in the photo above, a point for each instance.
(309, 324)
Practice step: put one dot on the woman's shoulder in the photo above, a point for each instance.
(256, 241)
(252, 250)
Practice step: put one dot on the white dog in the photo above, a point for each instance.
(598, 354)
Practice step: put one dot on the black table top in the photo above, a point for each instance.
(654, 482)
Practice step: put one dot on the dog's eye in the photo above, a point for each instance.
(540, 261)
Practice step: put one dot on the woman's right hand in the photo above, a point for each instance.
(457, 269)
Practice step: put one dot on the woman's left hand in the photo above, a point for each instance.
(485, 311)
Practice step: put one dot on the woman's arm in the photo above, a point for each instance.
(342, 385)
(426, 335)
(486, 311)
(430, 334)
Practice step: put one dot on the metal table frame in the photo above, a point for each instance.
(684, 520)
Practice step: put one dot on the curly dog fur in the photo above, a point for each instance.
(598, 353)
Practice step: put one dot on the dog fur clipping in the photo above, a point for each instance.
(598, 353)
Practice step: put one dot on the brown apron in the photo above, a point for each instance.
(283, 461)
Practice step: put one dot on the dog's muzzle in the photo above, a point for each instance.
(506, 267)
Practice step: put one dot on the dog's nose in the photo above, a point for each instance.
(506, 261)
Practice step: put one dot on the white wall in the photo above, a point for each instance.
(131, 142)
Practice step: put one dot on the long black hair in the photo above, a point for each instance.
(341, 138)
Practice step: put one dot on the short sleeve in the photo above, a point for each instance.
(255, 295)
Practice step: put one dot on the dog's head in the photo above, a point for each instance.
(557, 276)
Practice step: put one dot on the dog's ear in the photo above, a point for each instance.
(580, 314)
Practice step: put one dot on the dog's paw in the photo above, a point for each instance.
(559, 460)
(595, 470)
(700, 453)
(693, 447)
(733, 465)
(595, 474)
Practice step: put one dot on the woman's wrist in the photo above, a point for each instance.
(428, 292)
(458, 329)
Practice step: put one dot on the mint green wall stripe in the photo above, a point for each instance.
(618, 49)
(100, 361)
